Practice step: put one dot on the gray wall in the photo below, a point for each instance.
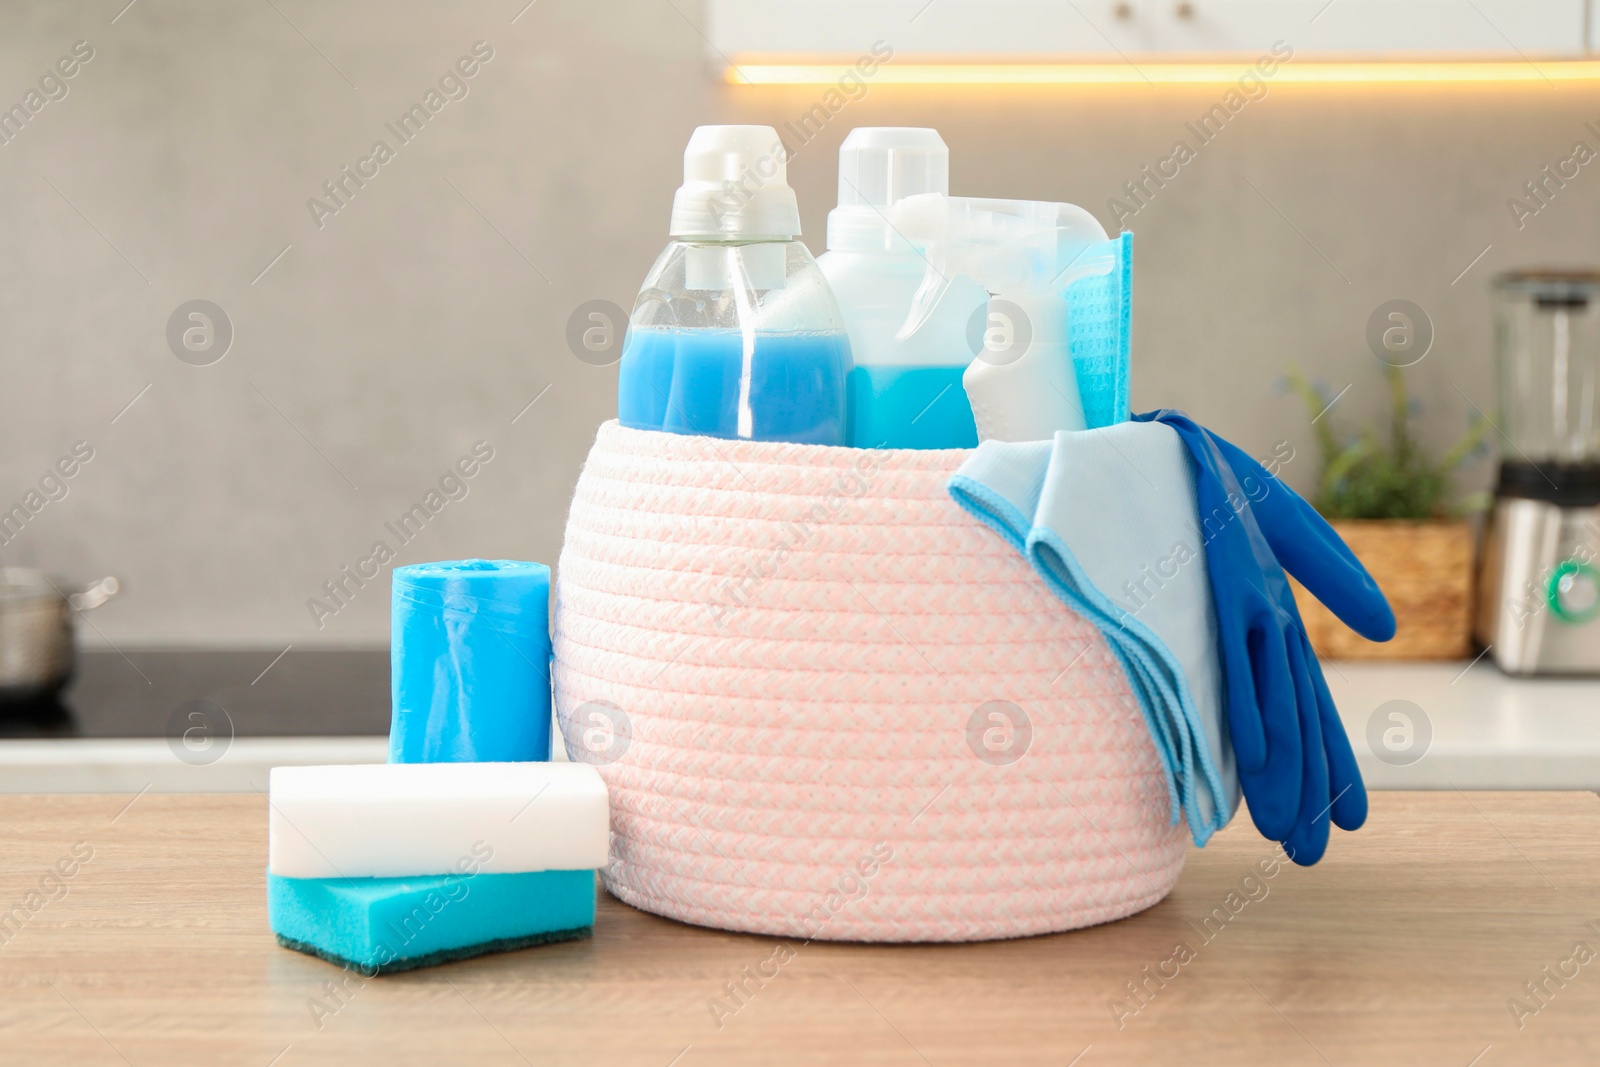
(428, 312)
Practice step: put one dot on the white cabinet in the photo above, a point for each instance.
(1062, 31)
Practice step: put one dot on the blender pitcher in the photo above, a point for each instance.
(1539, 586)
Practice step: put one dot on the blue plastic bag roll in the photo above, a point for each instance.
(469, 662)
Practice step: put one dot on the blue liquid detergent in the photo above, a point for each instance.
(910, 407)
(693, 382)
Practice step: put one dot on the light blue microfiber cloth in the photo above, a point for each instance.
(1098, 317)
(1107, 518)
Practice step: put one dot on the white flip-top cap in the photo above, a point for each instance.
(735, 184)
(879, 165)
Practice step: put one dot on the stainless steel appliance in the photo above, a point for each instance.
(1539, 579)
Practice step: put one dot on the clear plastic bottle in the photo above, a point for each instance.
(735, 332)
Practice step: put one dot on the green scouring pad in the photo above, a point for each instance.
(382, 925)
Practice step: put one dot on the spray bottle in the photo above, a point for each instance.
(1022, 384)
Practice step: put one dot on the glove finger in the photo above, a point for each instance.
(1273, 787)
(1308, 840)
(1310, 549)
(1241, 694)
(1245, 730)
(1347, 792)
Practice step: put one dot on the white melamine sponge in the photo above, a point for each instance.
(385, 820)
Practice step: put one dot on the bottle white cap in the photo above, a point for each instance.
(735, 184)
(879, 165)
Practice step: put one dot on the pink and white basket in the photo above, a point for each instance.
(829, 703)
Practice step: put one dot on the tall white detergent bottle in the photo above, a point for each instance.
(904, 391)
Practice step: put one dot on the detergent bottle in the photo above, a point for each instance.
(1022, 385)
(904, 392)
(735, 332)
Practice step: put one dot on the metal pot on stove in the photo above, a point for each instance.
(37, 651)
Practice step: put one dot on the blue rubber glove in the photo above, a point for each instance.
(1309, 549)
(1295, 763)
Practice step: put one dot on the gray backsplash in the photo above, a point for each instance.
(375, 346)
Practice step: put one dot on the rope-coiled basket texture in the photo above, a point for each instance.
(830, 704)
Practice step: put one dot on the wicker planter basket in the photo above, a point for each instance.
(1425, 569)
(829, 704)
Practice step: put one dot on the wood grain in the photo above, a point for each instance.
(1403, 947)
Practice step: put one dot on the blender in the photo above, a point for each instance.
(1539, 586)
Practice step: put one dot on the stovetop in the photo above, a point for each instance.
(152, 694)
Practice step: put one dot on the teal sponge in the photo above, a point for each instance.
(379, 925)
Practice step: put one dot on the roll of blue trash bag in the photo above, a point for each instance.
(470, 662)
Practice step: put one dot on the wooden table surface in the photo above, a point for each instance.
(1409, 944)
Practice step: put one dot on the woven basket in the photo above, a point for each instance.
(829, 704)
(1425, 569)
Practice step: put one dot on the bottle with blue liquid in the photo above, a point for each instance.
(735, 333)
(905, 389)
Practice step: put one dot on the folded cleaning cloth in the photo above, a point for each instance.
(1098, 314)
(1107, 518)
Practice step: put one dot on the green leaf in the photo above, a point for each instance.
(1369, 478)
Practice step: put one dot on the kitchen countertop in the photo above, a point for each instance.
(1468, 727)
(1404, 946)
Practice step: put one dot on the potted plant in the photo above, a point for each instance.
(1396, 506)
